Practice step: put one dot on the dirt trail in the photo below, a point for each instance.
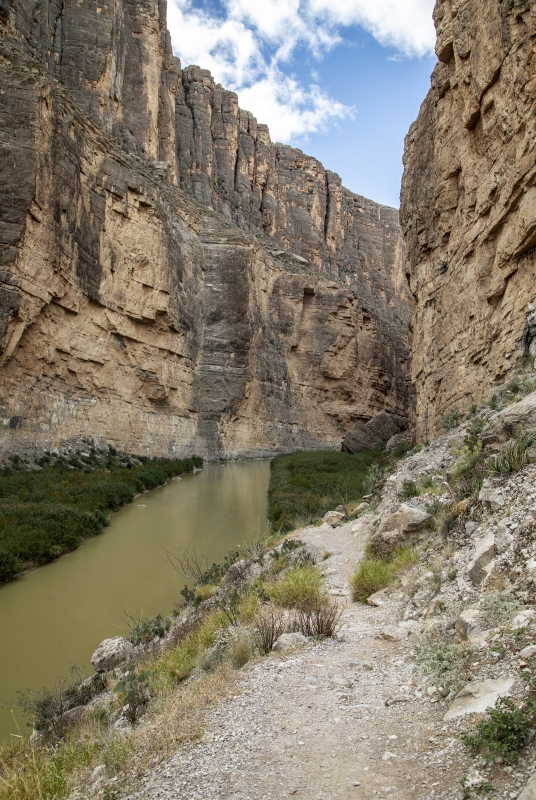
(316, 723)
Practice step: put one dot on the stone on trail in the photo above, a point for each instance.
(378, 599)
(483, 555)
(529, 792)
(478, 696)
(468, 625)
(399, 527)
(528, 652)
(110, 653)
(334, 518)
(289, 641)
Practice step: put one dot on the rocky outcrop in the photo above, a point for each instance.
(469, 206)
(159, 286)
(372, 434)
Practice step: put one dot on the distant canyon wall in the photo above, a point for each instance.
(469, 207)
(170, 280)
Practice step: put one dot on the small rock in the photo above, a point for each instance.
(98, 773)
(387, 755)
(478, 696)
(521, 619)
(289, 641)
(528, 652)
(402, 698)
(503, 539)
(334, 518)
(393, 633)
(492, 496)
(378, 599)
(529, 792)
(482, 558)
(468, 625)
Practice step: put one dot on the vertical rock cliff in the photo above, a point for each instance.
(170, 279)
(469, 206)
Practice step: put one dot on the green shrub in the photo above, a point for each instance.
(448, 662)
(134, 689)
(297, 587)
(145, 630)
(450, 419)
(499, 607)
(507, 730)
(513, 456)
(472, 434)
(373, 574)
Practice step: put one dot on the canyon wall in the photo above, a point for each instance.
(469, 207)
(169, 279)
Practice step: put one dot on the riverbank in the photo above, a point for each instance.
(48, 507)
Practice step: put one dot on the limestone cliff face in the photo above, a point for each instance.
(469, 206)
(146, 300)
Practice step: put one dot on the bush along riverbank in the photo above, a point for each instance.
(153, 688)
(304, 486)
(48, 506)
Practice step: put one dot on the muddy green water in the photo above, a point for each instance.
(55, 616)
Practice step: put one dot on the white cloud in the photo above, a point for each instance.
(248, 46)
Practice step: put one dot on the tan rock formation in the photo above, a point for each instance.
(469, 206)
(131, 310)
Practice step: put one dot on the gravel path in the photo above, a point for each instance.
(317, 722)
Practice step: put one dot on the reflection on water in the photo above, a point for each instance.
(56, 615)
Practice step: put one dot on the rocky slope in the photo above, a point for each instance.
(170, 280)
(468, 206)
(379, 710)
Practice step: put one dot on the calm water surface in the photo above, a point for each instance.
(55, 616)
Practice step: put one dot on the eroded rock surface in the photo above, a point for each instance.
(132, 307)
(469, 206)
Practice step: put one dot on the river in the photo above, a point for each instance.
(55, 616)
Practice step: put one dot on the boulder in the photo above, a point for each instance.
(110, 653)
(529, 792)
(468, 625)
(399, 438)
(385, 426)
(289, 641)
(407, 519)
(484, 553)
(402, 526)
(503, 539)
(488, 494)
(334, 518)
(383, 543)
(478, 696)
(360, 437)
(513, 420)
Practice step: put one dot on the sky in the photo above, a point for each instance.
(341, 79)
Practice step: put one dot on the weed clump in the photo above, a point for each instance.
(499, 607)
(447, 662)
(505, 732)
(450, 419)
(513, 456)
(373, 574)
(297, 588)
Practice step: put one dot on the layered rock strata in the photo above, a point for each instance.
(140, 311)
(469, 206)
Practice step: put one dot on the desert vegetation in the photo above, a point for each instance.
(47, 508)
